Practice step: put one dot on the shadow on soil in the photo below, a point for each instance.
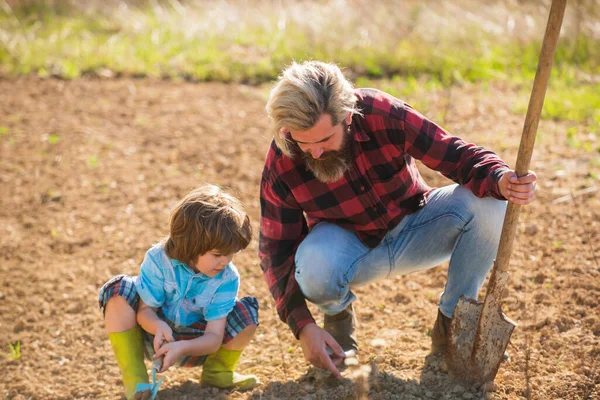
(360, 382)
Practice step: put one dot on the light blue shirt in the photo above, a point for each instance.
(184, 296)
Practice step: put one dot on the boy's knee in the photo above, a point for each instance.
(117, 304)
(250, 330)
(119, 315)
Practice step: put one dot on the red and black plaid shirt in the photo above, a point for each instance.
(380, 188)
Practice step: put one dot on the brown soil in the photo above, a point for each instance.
(75, 212)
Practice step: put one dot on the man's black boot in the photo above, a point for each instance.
(439, 334)
(341, 326)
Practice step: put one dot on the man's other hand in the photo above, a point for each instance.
(518, 190)
(314, 342)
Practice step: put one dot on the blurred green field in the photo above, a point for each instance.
(407, 44)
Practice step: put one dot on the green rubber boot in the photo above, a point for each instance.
(129, 352)
(219, 371)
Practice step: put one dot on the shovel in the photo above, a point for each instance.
(150, 388)
(479, 333)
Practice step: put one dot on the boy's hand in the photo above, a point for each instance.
(171, 352)
(163, 334)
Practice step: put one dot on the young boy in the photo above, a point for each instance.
(183, 306)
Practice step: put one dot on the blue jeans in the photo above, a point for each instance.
(455, 225)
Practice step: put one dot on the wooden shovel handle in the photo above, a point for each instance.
(534, 110)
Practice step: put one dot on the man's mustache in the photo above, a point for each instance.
(324, 156)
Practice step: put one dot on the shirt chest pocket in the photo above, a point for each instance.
(392, 178)
(171, 291)
(386, 172)
(198, 302)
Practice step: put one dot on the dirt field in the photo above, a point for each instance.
(89, 170)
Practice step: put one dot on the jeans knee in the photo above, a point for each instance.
(318, 279)
(491, 218)
(324, 262)
(486, 215)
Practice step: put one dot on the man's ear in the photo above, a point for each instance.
(348, 118)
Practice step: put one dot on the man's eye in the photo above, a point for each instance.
(327, 138)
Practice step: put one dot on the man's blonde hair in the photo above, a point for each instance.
(207, 219)
(303, 93)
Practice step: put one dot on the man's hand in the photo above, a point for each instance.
(171, 352)
(314, 342)
(517, 190)
(163, 334)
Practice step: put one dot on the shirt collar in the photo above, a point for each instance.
(359, 134)
(177, 263)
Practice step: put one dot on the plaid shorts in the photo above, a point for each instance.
(244, 313)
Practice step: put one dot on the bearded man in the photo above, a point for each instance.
(343, 205)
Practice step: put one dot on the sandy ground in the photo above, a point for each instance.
(89, 170)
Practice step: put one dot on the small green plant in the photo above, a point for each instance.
(3, 130)
(572, 138)
(558, 360)
(15, 350)
(53, 138)
(92, 162)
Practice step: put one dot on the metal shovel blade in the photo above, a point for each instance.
(473, 355)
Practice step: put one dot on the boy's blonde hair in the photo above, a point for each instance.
(207, 219)
(303, 93)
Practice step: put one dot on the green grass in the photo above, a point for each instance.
(233, 42)
(573, 102)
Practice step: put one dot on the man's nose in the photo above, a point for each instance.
(316, 152)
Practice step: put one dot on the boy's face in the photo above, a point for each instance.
(212, 263)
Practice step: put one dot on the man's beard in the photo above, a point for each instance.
(332, 165)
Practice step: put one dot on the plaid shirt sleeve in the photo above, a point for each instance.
(472, 166)
(282, 228)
